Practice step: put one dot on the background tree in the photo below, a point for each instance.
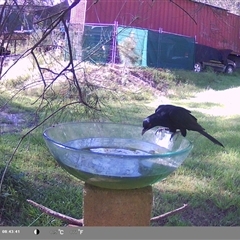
(50, 69)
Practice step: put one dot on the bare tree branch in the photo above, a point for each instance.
(184, 11)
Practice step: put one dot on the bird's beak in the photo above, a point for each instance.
(144, 130)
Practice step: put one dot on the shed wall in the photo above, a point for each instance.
(211, 26)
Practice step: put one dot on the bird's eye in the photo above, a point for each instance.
(146, 123)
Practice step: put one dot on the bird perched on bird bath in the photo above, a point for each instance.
(175, 118)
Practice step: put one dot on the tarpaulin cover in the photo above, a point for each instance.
(132, 46)
(97, 44)
(137, 47)
(166, 50)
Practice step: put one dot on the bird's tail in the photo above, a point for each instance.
(214, 140)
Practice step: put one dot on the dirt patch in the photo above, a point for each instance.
(15, 121)
(210, 216)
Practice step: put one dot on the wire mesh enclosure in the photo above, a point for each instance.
(136, 47)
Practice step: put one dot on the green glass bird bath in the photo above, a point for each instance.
(116, 156)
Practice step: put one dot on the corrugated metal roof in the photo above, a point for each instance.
(210, 5)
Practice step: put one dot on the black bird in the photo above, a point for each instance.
(173, 118)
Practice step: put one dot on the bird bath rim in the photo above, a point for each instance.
(153, 155)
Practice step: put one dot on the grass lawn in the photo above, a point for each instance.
(208, 181)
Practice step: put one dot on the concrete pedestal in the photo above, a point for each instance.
(107, 207)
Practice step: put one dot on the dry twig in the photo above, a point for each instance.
(79, 222)
(63, 217)
(168, 214)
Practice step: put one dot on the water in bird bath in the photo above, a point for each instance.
(117, 159)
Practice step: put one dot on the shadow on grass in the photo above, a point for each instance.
(208, 80)
(202, 209)
(58, 191)
(14, 117)
(205, 105)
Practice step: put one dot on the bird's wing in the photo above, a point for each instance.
(161, 108)
(182, 119)
(168, 108)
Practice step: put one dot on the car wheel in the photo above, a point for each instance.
(229, 69)
(197, 67)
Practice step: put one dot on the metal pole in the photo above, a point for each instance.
(114, 44)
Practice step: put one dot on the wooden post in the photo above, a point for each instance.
(107, 207)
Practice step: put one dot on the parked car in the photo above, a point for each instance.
(217, 59)
(218, 66)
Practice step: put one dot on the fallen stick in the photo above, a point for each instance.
(168, 214)
(48, 211)
(79, 222)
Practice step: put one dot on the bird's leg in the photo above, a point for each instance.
(160, 130)
(173, 134)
